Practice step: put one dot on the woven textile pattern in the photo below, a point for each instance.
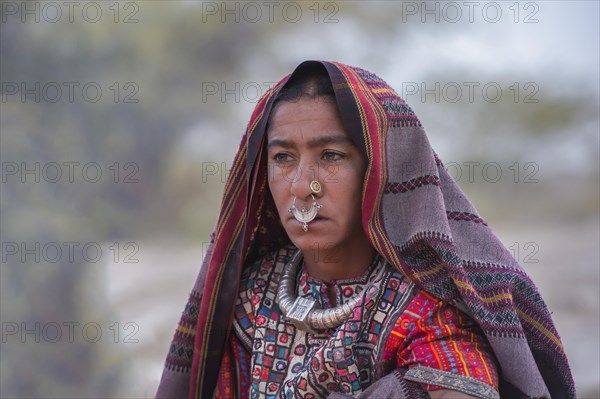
(341, 360)
(391, 328)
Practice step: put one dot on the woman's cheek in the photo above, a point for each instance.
(277, 188)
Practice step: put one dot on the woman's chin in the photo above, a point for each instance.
(309, 240)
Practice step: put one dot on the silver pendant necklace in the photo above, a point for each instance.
(305, 313)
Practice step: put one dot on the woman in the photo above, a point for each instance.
(345, 264)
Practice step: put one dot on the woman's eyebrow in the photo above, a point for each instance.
(314, 142)
(334, 139)
(280, 143)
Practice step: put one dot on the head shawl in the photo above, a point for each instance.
(414, 214)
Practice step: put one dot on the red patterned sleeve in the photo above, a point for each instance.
(234, 377)
(439, 344)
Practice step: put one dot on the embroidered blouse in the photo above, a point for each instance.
(395, 325)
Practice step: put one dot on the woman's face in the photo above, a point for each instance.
(307, 141)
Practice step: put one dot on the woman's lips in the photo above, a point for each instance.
(319, 217)
(314, 220)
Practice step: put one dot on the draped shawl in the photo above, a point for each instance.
(414, 214)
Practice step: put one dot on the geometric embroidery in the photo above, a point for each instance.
(433, 334)
(181, 352)
(395, 187)
(289, 362)
(465, 216)
(398, 112)
(447, 380)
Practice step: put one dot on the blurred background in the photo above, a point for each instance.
(119, 121)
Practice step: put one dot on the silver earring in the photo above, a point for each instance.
(303, 215)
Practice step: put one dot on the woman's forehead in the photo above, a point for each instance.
(305, 115)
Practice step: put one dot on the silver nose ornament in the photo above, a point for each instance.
(303, 215)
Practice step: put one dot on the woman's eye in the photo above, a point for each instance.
(281, 157)
(332, 156)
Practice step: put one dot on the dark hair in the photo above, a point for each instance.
(310, 82)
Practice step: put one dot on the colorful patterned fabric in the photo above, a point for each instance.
(234, 373)
(391, 327)
(435, 335)
(415, 216)
(288, 362)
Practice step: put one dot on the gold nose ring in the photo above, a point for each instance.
(315, 187)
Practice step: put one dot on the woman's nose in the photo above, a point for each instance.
(300, 186)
